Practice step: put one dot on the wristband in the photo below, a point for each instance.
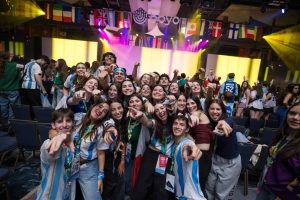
(101, 175)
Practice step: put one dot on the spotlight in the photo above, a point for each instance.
(284, 8)
(207, 40)
(137, 34)
(172, 38)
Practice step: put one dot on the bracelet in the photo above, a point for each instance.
(101, 175)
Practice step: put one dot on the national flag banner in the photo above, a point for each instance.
(158, 44)
(132, 39)
(216, 29)
(111, 18)
(248, 32)
(182, 25)
(150, 41)
(76, 15)
(101, 17)
(192, 27)
(67, 13)
(120, 19)
(202, 26)
(233, 31)
(48, 11)
(154, 42)
(92, 18)
(57, 12)
(259, 34)
(127, 20)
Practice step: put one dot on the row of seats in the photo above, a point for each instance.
(42, 114)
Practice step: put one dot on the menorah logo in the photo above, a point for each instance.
(140, 16)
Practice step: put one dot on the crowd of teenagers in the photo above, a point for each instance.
(120, 136)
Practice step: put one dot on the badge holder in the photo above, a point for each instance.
(161, 164)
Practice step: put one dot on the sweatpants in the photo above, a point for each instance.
(223, 176)
(149, 184)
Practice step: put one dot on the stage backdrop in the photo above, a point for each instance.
(241, 66)
(73, 51)
(152, 59)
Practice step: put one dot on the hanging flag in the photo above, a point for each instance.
(127, 20)
(216, 29)
(57, 12)
(248, 32)
(120, 19)
(76, 15)
(67, 13)
(182, 25)
(154, 42)
(132, 39)
(202, 27)
(259, 34)
(48, 11)
(159, 43)
(233, 31)
(111, 18)
(192, 27)
(92, 18)
(101, 17)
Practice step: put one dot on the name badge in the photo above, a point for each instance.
(161, 164)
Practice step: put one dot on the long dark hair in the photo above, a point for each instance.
(159, 126)
(86, 121)
(293, 147)
(62, 69)
(223, 108)
(197, 101)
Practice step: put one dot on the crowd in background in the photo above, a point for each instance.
(150, 137)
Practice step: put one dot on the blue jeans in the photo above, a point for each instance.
(88, 180)
(7, 98)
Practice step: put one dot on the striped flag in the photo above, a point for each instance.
(57, 12)
(92, 18)
(120, 19)
(127, 20)
(233, 31)
(48, 11)
(76, 15)
(192, 27)
(111, 18)
(182, 25)
(67, 13)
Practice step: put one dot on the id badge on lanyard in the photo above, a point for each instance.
(161, 164)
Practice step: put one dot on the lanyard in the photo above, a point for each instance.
(79, 140)
(275, 150)
(131, 126)
(174, 146)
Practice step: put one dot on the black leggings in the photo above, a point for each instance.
(205, 163)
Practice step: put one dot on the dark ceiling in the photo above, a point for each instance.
(210, 9)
